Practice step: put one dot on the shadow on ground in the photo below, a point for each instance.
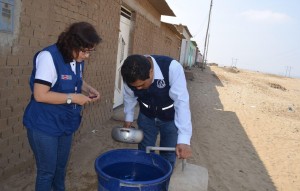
(215, 144)
(215, 147)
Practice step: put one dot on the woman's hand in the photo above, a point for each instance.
(80, 99)
(93, 94)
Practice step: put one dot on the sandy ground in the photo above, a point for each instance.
(246, 132)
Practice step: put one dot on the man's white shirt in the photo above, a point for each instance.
(178, 93)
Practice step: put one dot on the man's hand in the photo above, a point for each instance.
(183, 151)
(127, 124)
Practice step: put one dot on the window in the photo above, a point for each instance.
(6, 15)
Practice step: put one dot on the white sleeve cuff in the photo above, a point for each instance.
(129, 117)
(184, 139)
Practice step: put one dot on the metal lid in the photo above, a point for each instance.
(127, 135)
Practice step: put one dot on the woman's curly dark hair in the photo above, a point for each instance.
(76, 37)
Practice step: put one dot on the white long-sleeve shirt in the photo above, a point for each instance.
(178, 93)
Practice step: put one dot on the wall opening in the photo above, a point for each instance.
(7, 16)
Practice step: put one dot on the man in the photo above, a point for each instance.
(158, 83)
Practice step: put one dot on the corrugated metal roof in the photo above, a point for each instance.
(162, 7)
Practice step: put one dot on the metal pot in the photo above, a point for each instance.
(127, 135)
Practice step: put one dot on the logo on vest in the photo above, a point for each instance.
(66, 77)
(161, 83)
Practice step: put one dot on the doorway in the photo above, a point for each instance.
(123, 42)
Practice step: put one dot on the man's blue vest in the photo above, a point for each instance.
(155, 101)
(56, 119)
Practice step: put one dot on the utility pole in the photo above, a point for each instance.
(207, 47)
(206, 38)
(288, 71)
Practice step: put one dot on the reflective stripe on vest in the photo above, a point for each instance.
(164, 108)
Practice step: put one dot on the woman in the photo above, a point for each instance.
(53, 113)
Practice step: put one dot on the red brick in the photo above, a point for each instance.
(26, 155)
(24, 41)
(25, 145)
(27, 31)
(3, 82)
(17, 147)
(5, 133)
(27, 71)
(14, 139)
(12, 61)
(16, 71)
(5, 72)
(25, 20)
(12, 121)
(5, 112)
(2, 61)
(4, 153)
(13, 158)
(12, 82)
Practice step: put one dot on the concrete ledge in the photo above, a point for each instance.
(192, 178)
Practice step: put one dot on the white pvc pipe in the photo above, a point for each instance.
(150, 148)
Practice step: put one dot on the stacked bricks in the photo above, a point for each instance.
(39, 24)
(149, 38)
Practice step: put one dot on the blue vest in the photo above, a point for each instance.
(155, 101)
(56, 119)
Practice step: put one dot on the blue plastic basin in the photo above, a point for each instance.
(132, 170)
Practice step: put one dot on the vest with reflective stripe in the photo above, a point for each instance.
(155, 101)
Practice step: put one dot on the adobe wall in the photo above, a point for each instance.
(38, 24)
(148, 38)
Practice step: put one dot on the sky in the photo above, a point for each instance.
(258, 35)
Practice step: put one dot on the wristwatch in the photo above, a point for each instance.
(69, 99)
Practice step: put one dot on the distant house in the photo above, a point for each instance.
(192, 54)
(199, 58)
(188, 47)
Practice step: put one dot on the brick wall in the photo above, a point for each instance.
(169, 43)
(39, 24)
(148, 38)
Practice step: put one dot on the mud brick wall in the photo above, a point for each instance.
(148, 38)
(38, 24)
(170, 43)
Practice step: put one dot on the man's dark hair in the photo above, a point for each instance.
(135, 67)
(78, 36)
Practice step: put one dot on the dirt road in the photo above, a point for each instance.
(245, 132)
